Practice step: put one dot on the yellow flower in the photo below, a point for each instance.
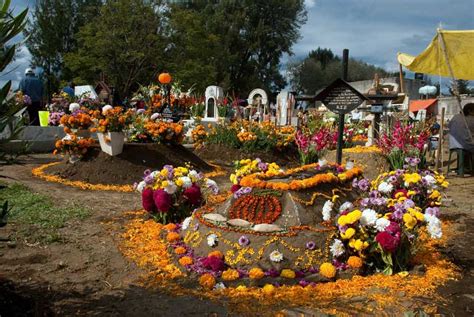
(256, 273)
(179, 182)
(358, 244)
(435, 194)
(412, 178)
(287, 273)
(342, 220)
(164, 184)
(342, 176)
(411, 193)
(241, 288)
(207, 281)
(355, 262)
(410, 222)
(327, 270)
(230, 275)
(354, 216)
(164, 172)
(348, 234)
(403, 274)
(334, 198)
(268, 289)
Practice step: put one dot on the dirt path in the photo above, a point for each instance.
(87, 274)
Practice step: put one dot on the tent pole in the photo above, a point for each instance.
(455, 86)
(402, 84)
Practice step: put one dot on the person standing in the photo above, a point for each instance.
(33, 87)
(69, 89)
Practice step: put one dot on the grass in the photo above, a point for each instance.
(38, 216)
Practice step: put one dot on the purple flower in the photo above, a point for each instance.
(242, 191)
(399, 173)
(244, 241)
(310, 245)
(272, 273)
(263, 166)
(149, 179)
(355, 183)
(364, 185)
(196, 227)
(140, 111)
(364, 202)
(392, 179)
(434, 211)
(299, 274)
(313, 270)
(146, 172)
(303, 283)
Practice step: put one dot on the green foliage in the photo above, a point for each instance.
(197, 110)
(10, 26)
(125, 41)
(51, 34)
(42, 217)
(322, 67)
(462, 86)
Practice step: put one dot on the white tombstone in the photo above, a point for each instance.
(86, 90)
(258, 98)
(284, 105)
(214, 96)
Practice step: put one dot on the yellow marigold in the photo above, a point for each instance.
(410, 222)
(358, 244)
(172, 236)
(287, 273)
(355, 262)
(348, 233)
(354, 216)
(256, 273)
(180, 250)
(268, 289)
(217, 254)
(230, 275)
(185, 260)
(327, 270)
(170, 227)
(207, 281)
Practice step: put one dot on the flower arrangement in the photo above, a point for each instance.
(21, 99)
(312, 147)
(382, 232)
(199, 135)
(172, 193)
(247, 166)
(111, 119)
(73, 145)
(55, 118)
(405, 140)
(164, 131)
(78, 120)
(256, 209)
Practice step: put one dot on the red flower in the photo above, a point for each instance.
(147, 200)
(234, 188)
(214, 263)
(387, 241)
(393, 228)
(193, 194)
(162, 200)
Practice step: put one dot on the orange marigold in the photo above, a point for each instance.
(217, 254)
(327, 270)
(207, 281)
(355, 262)
(170, 227)
(180, 250)
(230, 275)
(185, 260)
(172, 236)
(256, 273)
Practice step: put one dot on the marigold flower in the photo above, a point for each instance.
(217, 254)
(180, 250)
(186, 260)
(327, 270)
(287, 273)
(170, 227)
(172, 236)
(230, 275)
(207, 281)
(268, 289)
(348, 233)
(256, 273)
(355, 262)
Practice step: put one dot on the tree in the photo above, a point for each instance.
(125, 42)
(322, 66)
(462, 86)
(51, 34)
(10, 26)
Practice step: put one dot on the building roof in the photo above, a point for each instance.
(417, 105)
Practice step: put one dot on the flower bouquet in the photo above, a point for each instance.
(78, 122)
(384, 231)
(312, 147)
(172, 193)
(55, 118)
(74, 146)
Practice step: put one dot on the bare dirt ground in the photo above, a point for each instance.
(87, 275)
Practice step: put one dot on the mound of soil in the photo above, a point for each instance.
(126, 168)
(226, 156)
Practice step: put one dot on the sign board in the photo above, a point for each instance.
(167, 113)
(376, 108)
(340, 97)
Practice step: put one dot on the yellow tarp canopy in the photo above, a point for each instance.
(459, 51)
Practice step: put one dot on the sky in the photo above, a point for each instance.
(373, 30)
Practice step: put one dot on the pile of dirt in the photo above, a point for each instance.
(126, 168)
(224, 155)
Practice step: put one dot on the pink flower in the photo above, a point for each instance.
(162, 200)
(193, 194)
(234, 188)
(147, 200)
(387, 241)
(214, 263)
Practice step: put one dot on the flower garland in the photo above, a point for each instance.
(258, 180)
(40, 172)
(363, 149)
(256, 209)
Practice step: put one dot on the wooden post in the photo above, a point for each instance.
(402, 83)
(439, 160)
(345, 65)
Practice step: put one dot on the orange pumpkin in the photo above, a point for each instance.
(164, 78)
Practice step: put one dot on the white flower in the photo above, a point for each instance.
(337, 248)
(328, 205)
(385, 187)
(67, 137)
(106, 108)
(381, 224)
(212, 240)
(434, 226)
(346, 205)
(193, 174)
(212, 185)
(349, 165)
(154, 116)
(171, 188)
(219, 286)
(276, 256)
(368, 218)
(430, 180)
(154, 173)
(186, 223)
(74, 106)
(186, 181)
(322, 162)
(141, 186)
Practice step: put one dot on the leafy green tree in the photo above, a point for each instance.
(10, 26)
(125, 42)
(462, 86)
(51, 34)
